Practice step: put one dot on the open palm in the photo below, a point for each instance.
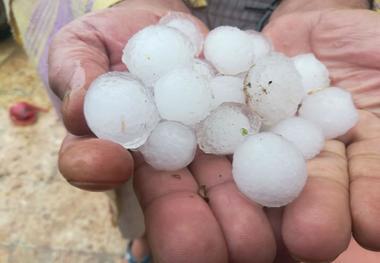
(344, 180)
(181, 225)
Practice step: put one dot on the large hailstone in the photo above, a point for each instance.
(313, 73)
(226, 128)
(156, 50)
(304, 134)
(187, 26)
(331, 109)
(262, 46)
(203, 68)
(269, 170)
(273, 88)
(229, 50)
(170, 147)
(118, 107)
(183, 95)
(227, 89)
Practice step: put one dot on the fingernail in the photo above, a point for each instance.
(66, 100)
(79, 77)
(94, 186)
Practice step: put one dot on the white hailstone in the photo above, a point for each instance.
(183, 95)
(229, 50)
(118, 107)
(273, 88)
(304, 134)
(170, 147)
(187, 26)
(226, 128)
(269, 170)
(332, 110)
(203, 68)
(262, 45)
(314, 74)
(156, 50)
(227, 89)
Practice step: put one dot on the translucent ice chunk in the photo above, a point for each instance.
(117, 107)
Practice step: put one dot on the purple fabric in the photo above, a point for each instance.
(64, 16)
(89, 5)
(43, 9)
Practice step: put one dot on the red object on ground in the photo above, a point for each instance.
(24, 113)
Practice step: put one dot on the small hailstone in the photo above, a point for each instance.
(304, 134)
(227, 89)
(229, 50)
(262, 46)
(226, 128)
(203, 68)
(170, 147)
(332, 110)
(187, 26)
(117, 107)
(314, 74)
(269, 170)
(156, 50)
(273, 88)
(183, 95)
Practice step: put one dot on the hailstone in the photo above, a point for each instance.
(227, 89)
(118, 107)
(226, 128)
(262, 46)
(331, 109)
(304, 134)
(203, 68)
(269, 170)
(156, 50)
(170, 147)
(183, 95)
(273, 88)
(187, 26)
(229, 50)
(314, 74)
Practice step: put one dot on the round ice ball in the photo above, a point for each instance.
(262, 46)
(118, 107)
(203, 68)
(183, 95)
(170, 147)
(226, 128)
(229, 50)
(269, 170)
(155, 50)
(187, 26)
(227, 89)
(273, 88)
(313, 72)
(332, 110)
(304, 134)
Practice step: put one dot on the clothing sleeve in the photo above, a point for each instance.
(34, 23)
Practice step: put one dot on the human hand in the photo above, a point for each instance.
(344, 180)
(181, 226)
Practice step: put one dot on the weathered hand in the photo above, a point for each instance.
(181, 226)
(344, 180)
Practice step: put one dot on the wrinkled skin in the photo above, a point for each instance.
(181, 226)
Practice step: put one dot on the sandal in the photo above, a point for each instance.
(132, 259)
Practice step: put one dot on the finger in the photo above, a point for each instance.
(179, 224)
(275, 216)
(317, 225)
(364, 167)
(94, 164)
(245, 227)
(83, 50)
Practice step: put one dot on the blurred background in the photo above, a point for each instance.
(42, 217)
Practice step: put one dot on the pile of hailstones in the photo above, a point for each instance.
(271, 112)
